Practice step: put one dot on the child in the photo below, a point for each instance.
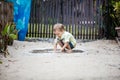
(63, 38)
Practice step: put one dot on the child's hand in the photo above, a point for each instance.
(62, 50)
(69, 51)
(55, 48)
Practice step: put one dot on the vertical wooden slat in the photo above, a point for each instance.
(77, 16)
(55, 15)
(101, 15)
(33, 32)
(81, 16)
(46, 19)
(57, 11)
(29, 29)
(49, 19)
(95, 27)
(35, 24)
(89, 23)
(64, 12)
(67, 14)
(36, 20)
(100, 32)
(91, 19)
(84, 19)
(38, 15)
(75, 2)
(52, 17)
(87, 18)
(33, 19)
(45, 7)
(79, 19)
(97, 18)
(75, 22)
(42, 16)
(50, 25)
(68, 23)
(73, 18)
(94, 9)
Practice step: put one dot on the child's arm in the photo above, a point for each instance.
(55, 47)
(55, 44)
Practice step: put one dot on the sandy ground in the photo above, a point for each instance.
(99, 61)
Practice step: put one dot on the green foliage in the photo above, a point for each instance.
(111, 18)
(117, 9)
(0, 62)
(10, 31)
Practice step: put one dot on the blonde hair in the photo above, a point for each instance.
(59, 26)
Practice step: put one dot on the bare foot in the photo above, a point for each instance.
(63, 50)
(69, 51)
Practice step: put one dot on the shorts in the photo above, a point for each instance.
(71, 45)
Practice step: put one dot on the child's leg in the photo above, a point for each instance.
(69, 46)
(61, 43)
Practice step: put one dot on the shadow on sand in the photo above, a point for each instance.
(51, 51)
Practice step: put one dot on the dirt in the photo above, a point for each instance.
(95, 60)
(52, 51)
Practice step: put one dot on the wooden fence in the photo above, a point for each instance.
(82, 18)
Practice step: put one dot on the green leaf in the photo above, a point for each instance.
(12, 28)
(0, 62)
(13, 36)
(8, 29)
(4, 32)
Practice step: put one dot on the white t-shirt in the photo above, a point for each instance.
(66, 37)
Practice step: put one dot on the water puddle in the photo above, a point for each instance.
(51, 51)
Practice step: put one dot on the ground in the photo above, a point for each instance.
(99, 61)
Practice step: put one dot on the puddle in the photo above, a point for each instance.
(51, 51)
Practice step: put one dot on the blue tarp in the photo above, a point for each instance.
(21, 16)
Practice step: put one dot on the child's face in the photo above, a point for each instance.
(56, 32)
